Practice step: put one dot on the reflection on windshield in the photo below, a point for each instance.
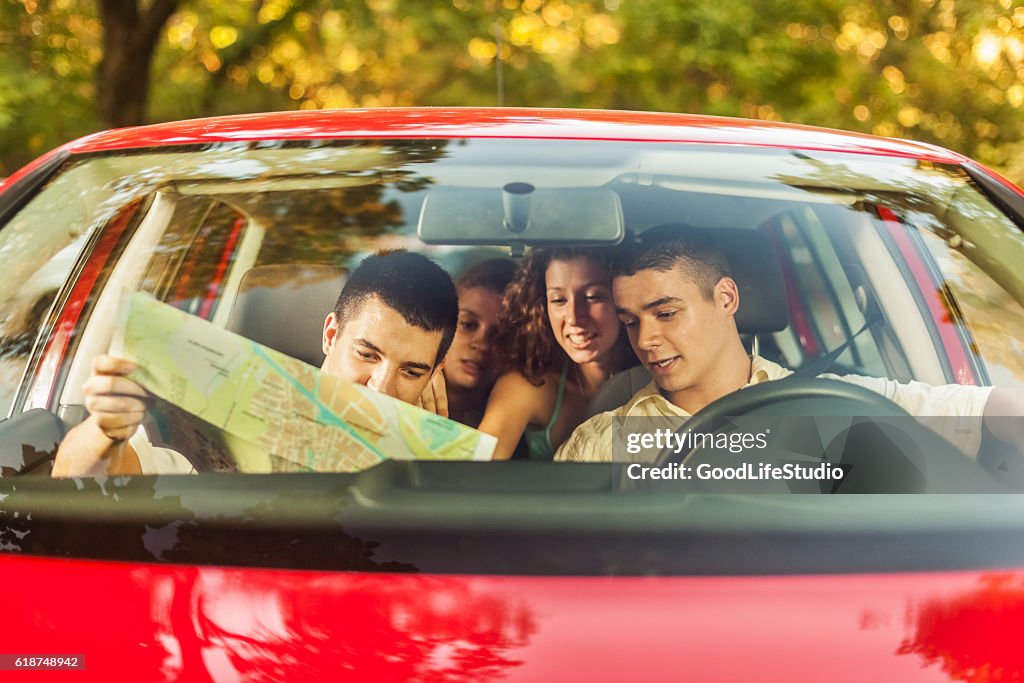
(212, 624)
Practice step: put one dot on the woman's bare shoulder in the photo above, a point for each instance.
(515, 391)
(514, 380)
(516, 403)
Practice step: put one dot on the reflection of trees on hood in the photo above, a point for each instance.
(969, 635)
(266, 624)
(403, 628)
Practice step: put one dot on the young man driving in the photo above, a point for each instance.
(390, 330)
(678, 302)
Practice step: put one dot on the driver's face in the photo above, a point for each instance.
(380, 350)
(676, 332)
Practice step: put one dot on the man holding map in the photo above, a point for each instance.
(389, 331)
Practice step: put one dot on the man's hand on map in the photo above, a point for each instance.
(115, 403)
(99, 445)
(435, 397)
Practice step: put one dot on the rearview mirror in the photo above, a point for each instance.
(520, 214)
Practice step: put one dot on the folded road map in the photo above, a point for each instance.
(287, 414)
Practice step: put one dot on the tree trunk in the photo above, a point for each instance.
(130, 35)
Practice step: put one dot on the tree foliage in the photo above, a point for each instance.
(944, 71)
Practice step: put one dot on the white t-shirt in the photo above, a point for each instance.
(157, 459)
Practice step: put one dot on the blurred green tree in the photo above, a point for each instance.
(943, 71)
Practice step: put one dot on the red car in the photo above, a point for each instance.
(887, 258)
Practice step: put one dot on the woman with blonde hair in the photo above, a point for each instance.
(561, 340)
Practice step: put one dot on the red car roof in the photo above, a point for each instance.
(580, 124)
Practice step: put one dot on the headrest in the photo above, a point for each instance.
(756, 270)
(283, 306)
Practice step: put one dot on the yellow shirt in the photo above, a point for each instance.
(592, 440)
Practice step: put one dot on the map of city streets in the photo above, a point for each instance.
(278, 413)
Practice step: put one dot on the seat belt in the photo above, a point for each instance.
(825, 362)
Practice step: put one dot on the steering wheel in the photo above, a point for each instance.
(880, 447)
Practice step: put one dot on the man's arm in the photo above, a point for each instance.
(1004, 417)
(960, 407)
(99, 446)
(87, 451)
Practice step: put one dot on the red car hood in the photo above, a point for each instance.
(143, 622)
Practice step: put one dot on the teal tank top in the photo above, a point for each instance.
(538, 441)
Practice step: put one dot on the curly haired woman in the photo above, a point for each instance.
(562, 340)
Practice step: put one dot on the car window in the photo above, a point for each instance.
(39, 247)
(823, 296)
(191, 267)
(978, 284)
(906, 263)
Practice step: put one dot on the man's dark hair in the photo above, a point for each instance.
(494, 275)
(668, 247)
(419, 289)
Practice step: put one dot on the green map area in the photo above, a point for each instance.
(278, 413)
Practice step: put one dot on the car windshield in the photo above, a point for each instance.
(839, 224)
(846, 263)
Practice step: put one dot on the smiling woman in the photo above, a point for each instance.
(563, 341)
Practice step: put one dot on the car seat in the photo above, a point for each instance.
(283, 306)
(763, 305)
